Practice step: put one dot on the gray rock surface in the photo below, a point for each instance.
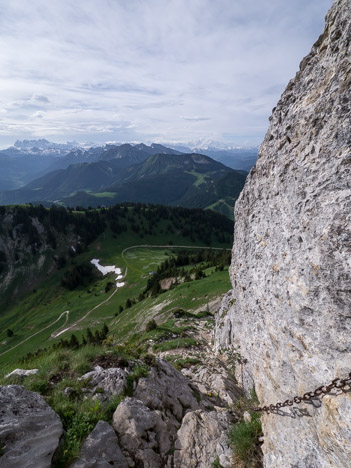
(101, 449)
(212, 378)
(105, 383)
(22, 372)
(167, 390)
(147, 435)
(29, 429)
(199, 438)
(291, 301)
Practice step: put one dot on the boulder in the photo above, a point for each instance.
(30, 430)
(167, 390)
(22, 372)
(101, 449)
(147, 435)
(106, 382)
(202, 438)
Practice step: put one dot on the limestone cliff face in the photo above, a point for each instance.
(290, 308)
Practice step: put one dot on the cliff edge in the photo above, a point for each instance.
(289, 313)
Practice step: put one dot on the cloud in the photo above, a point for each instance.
(196, 119)
(149, 64)
(38, 115)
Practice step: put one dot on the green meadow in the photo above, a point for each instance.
(50, 308)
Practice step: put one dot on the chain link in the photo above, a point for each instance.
(322, 390)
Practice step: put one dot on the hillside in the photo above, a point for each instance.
(17, 171)
(39, 246)
(189, 180)
(60, 315)
(239, 159)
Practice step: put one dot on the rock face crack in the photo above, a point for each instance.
(288, 312)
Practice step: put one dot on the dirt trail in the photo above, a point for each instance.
(56, 334)
(36, 333)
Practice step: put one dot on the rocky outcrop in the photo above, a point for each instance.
(167, 390)
(289, 312)
(147, 424)
(101, 449)
(202, 439)
(145, 434)
(164, 426)
(212, 379)
(104, 383)
(30, 430)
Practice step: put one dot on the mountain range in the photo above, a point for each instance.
(103, 176)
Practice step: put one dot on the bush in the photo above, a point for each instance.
(151, 325)
(109, 286)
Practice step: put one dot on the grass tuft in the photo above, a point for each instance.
(243, 437)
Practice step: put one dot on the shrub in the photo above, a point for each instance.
(109, 286)
(151, 325)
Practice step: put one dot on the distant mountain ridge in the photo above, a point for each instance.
(30, 159)
(132, 154)
(189, 180)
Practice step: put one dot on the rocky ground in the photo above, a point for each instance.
(172, 418)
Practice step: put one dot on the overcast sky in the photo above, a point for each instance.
(149, 70)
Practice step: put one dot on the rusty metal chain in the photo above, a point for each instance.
(322, 390)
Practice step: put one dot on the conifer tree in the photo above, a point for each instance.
(90, 338)
(73, 342)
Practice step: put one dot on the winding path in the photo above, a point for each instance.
(58, 332)
(36, 333)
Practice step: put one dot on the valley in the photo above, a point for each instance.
(35, 314)
(144, 312)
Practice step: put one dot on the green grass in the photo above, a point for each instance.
(175, 344)
(216, 463)
(200, 178)
(79, 413)
(103, 194)
(222, 206)
(243, 437)
(188, 296)
(41, 307)
(182, 363)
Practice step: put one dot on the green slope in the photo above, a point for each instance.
(189, 180)
(34, 316)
